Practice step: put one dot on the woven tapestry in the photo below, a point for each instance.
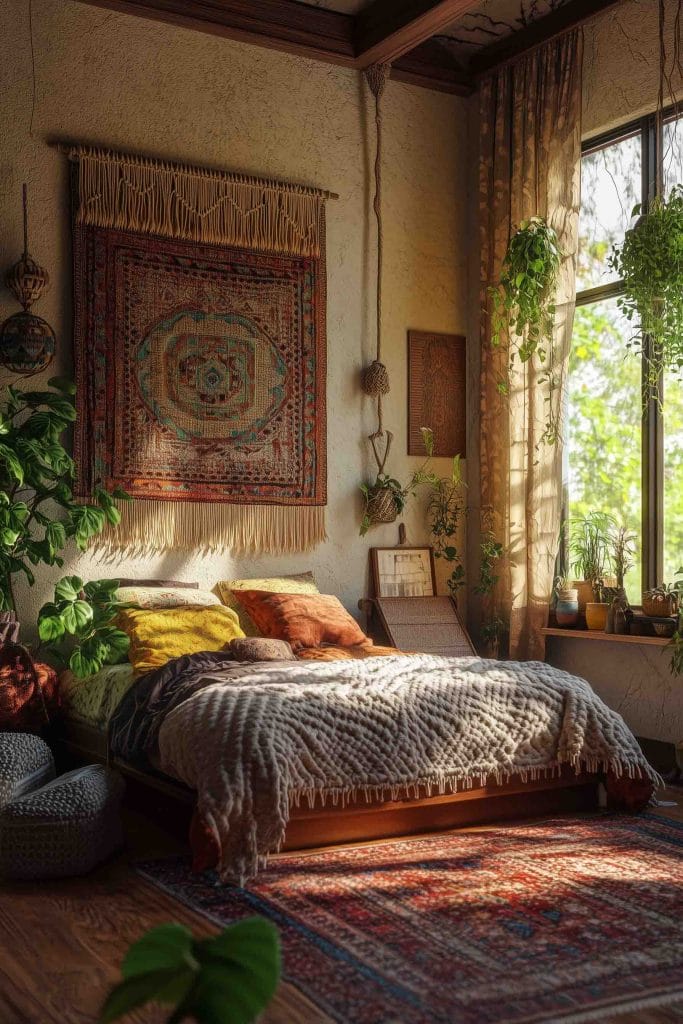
(200, 361)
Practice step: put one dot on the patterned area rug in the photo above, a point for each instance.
(563, 921)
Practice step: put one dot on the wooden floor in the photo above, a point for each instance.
(61, 942)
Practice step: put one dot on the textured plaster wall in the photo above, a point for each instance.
(621, 64)
(123, 82)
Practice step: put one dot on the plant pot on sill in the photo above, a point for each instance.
(567, 607)
(596, 615)
(659, 605)
(584, 590)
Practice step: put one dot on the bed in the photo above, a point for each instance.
(194, 758)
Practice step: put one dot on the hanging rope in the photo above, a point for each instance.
(659, 116)
(375, 378)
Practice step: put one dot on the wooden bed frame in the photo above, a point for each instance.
(160, 795)
(172, 803)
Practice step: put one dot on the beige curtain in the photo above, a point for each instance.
(530, 163)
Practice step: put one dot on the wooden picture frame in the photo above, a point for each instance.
(437, 392)
(403, 571)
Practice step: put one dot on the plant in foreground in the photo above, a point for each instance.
(78, 626)
(227, 979)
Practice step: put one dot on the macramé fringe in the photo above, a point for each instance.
(134, 193)
(151, 526)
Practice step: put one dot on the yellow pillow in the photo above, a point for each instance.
(157, 635)
(228, 591)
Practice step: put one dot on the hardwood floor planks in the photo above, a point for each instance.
(61, 943)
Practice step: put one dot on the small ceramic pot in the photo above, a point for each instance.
(567, 607)
(596, 615)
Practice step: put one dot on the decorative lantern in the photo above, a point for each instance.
(27, 342)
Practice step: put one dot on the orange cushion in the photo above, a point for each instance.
(304, 620)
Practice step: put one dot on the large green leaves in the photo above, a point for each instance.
(79, 625)
(228, 979)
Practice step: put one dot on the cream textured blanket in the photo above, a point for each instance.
(381, 727)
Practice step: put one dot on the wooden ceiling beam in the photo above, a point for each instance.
(297, 28)
(387, 29)
(536, 34)
(431, 66)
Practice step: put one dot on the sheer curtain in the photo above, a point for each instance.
(530, 164)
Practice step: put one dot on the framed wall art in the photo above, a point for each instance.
(403, 572)
(437, 392)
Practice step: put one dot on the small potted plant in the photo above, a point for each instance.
(567, 603)
(622, 551)
(589, 538)
(597, 609)
(662, 601)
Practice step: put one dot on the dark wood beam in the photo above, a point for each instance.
(278, 24)
(432, 67)
(387, 29)
(539, 32)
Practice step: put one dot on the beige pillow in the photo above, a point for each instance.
(166, 597)
(228, 591)
(259, 648)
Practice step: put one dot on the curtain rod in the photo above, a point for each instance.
(73, 151)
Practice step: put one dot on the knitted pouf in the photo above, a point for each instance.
(25, 764)
(66, 828)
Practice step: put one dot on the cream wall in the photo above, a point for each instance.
(120, 81)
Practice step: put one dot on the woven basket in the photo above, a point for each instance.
(26, 764)
(381, 506)
(659, 605)
(66, 828)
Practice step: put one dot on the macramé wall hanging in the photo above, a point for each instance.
(27, 342)
(200, 353)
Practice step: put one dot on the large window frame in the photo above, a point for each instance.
(650, 128)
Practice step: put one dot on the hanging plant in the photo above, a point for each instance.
(385, 500)
(650, 263)
(524, 307)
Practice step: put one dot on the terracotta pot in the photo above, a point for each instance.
(567, 607)
(585, 594)
(596, 615)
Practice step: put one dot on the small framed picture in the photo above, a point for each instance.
(403, 572)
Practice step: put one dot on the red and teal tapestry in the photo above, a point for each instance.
(201, 385)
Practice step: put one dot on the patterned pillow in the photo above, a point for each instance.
(166, 597)
(260, 648)
(229, 593)
(158, 635)
(303, 620)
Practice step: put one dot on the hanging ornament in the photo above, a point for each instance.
(27, 342)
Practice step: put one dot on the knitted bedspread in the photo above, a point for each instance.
(384, 727)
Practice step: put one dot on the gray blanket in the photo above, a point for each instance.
(383, 727)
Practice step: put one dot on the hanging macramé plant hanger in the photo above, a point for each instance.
(384, 500)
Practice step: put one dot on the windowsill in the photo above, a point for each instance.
(599, 634)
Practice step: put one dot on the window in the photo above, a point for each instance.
(619, 460)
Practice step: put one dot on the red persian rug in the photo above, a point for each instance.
(563, 921)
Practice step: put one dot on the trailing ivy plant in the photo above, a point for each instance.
(228, 978)
(79, 628)
(491, 551)
(524, 307)
(650, 263)
(444, 512)
(38, 513)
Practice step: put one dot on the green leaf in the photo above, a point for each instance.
(62, 384)
(69, 588)
(50, 628)
(12, 463)
(166, 946)
(240, 970)
(117, 641)
(164, 986)
(82, 665)
(55, 534)
(101, 590)
(77, 615)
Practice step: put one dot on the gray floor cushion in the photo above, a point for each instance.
(26, 764)
(65, 828)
